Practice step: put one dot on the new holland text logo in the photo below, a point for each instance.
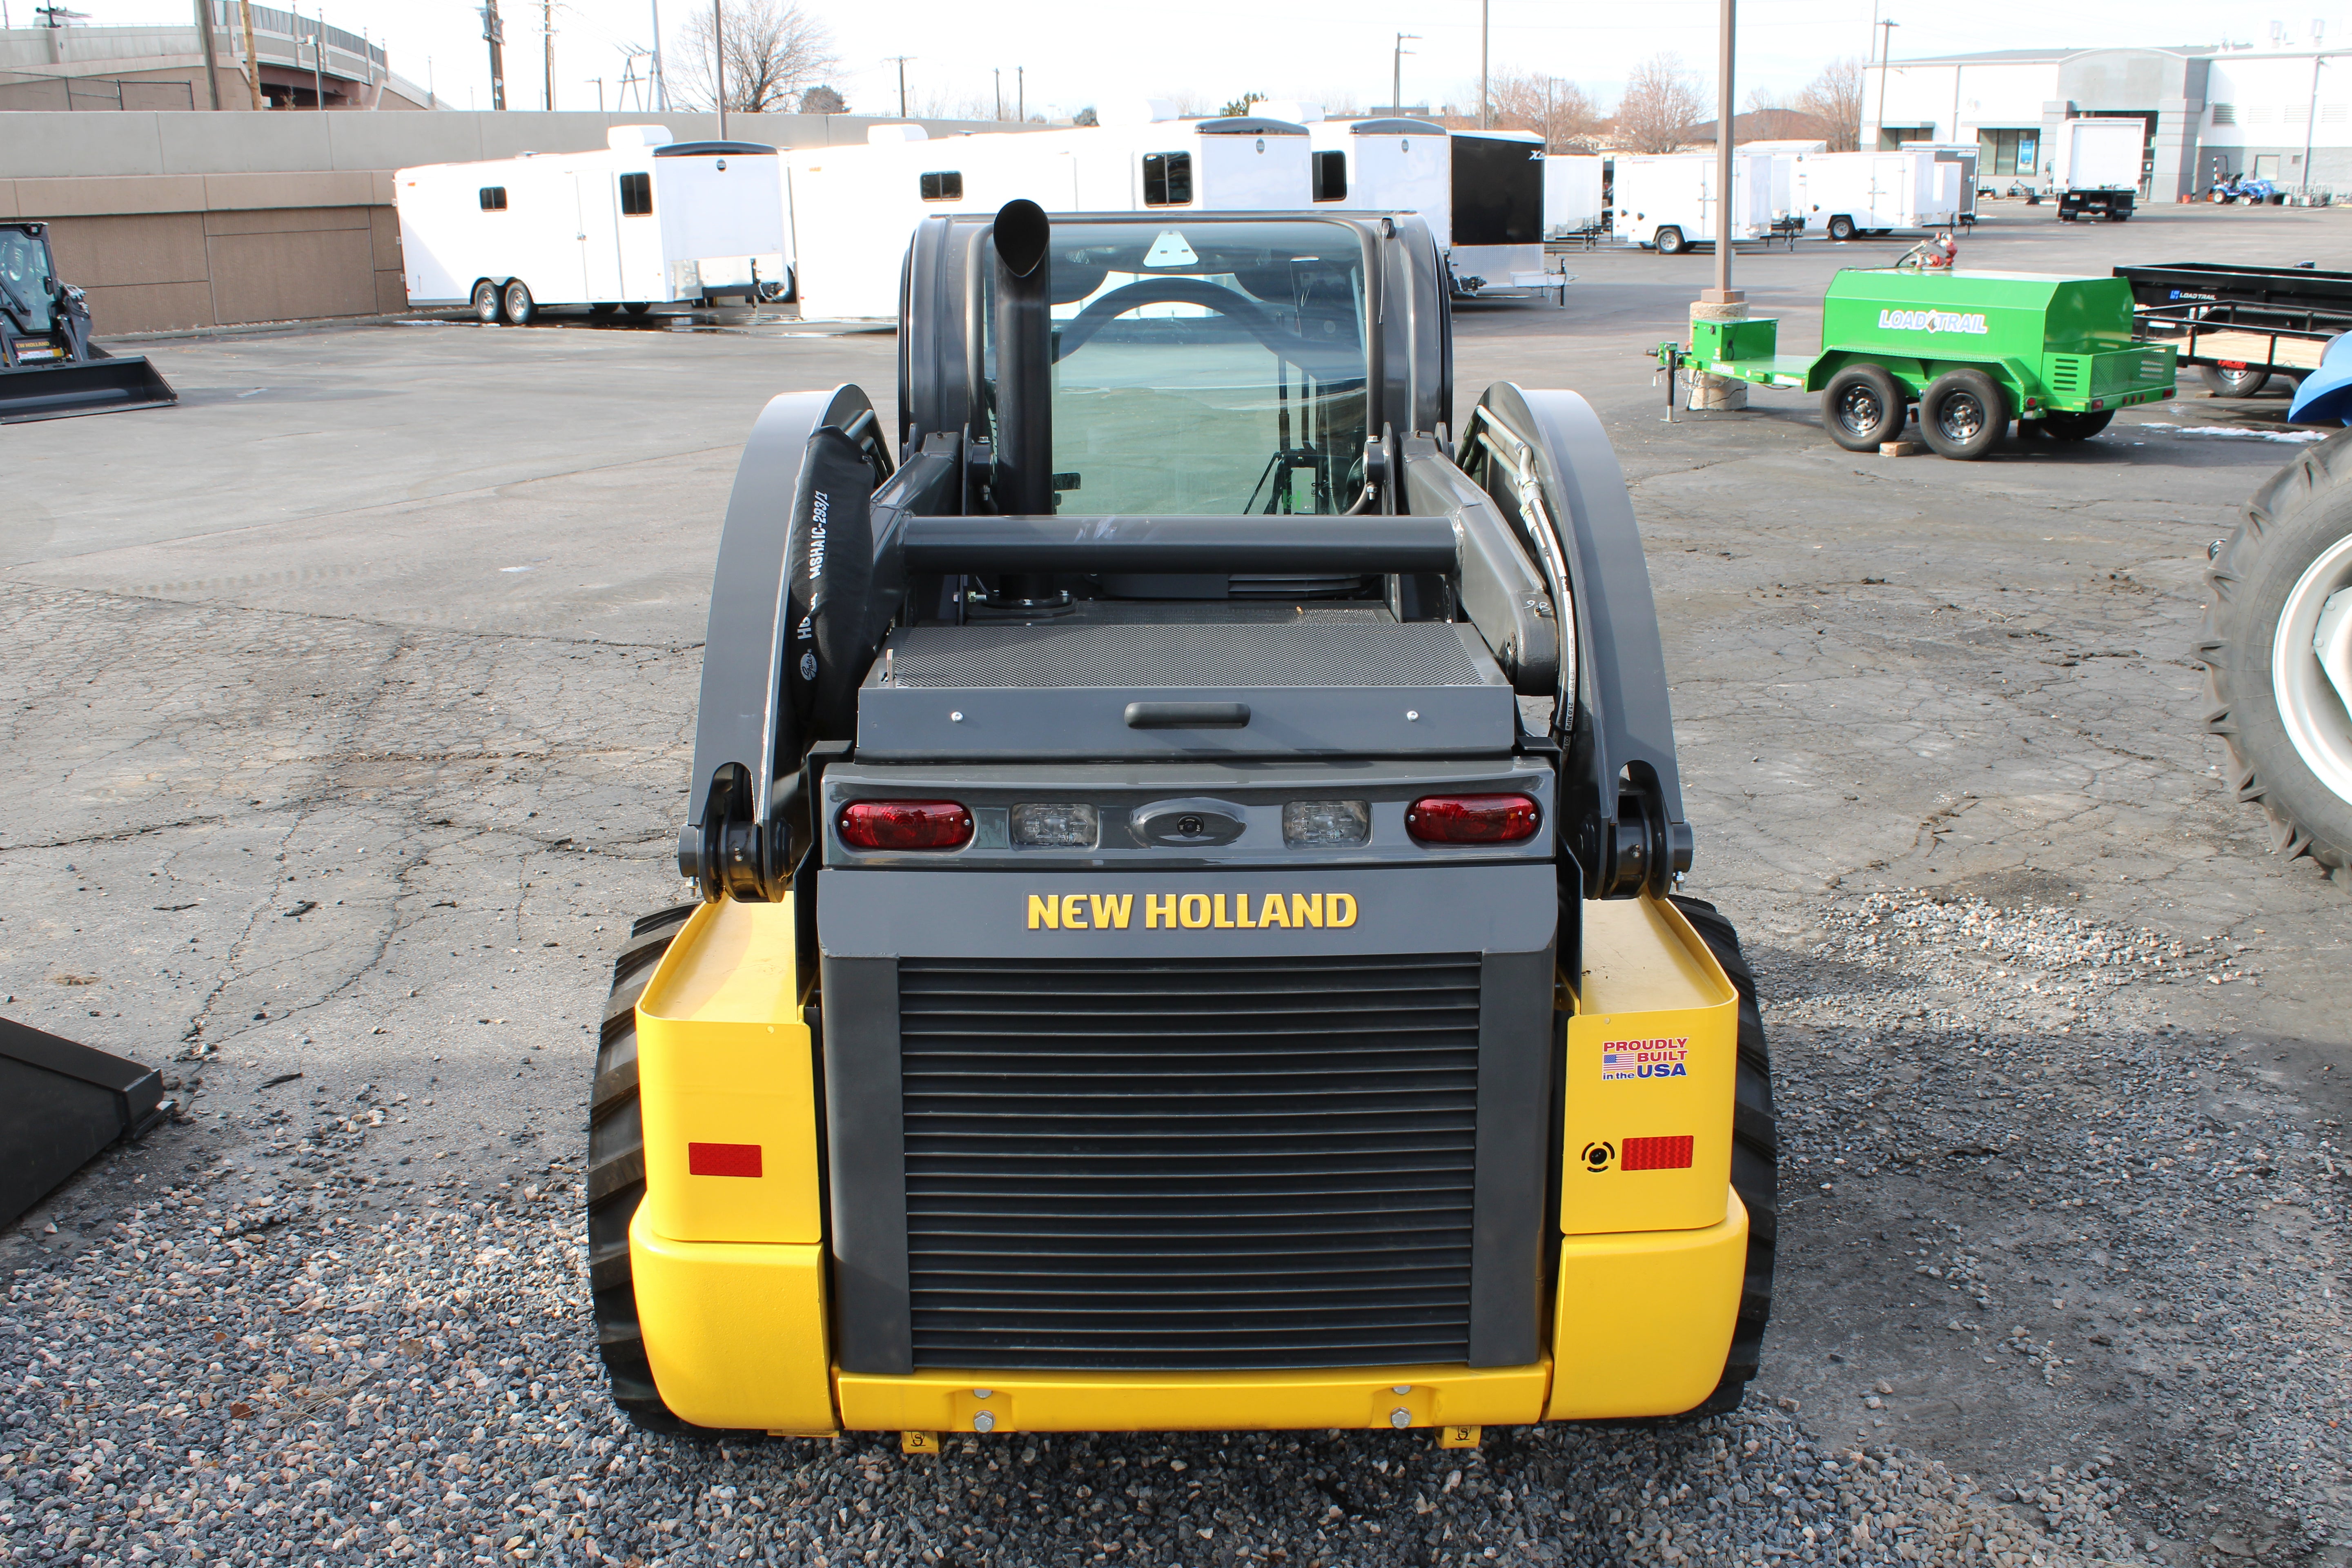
(1930, 321)
(1191, 911)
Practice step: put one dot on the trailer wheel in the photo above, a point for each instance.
(489, 306)
(604, 309)
(1840, 227)
(1670, 241)
(637, 306)
(616, 1179)
(1754, 1157)
(520, 307)
(1963, 415)
(2277, 650)
(2076, 426)
(2245, 381)
(1862, 408)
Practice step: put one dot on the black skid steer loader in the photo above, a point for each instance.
(1185, 852)
(48, 367)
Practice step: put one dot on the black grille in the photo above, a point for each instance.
(1247, 1163)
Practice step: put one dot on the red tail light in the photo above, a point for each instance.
(1472, 818)
(904, 825)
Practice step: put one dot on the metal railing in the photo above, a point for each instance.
(35, 91)
(229, 16)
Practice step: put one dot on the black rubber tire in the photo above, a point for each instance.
(1963, 415)
(2247, 382)
(605, 309)
(1755, 1160)
(489, 303)
(2297, 514)
(2073, 426)
(1852, 399)
(616, 1179)
(1670, 241)
(1841, 228)
(637, 306)
(518, 304)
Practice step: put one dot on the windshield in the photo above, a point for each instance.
(24, 280)
(1211, 368)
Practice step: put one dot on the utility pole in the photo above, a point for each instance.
(1396, 72)
(252, 64)
(718, 61)
(661, 77)
(1000, 94)
(1486, 119)
(902, 60)
(494, 31)
(547, 39)
(212, 61)
(1885, 50)
(1021, 94)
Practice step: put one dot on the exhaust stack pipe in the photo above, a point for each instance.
(1021, 473)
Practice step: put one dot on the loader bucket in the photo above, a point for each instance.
(106, 385)
(60, 1104)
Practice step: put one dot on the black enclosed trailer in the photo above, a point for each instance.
(2242, 325)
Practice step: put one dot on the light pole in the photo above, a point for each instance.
(1724, 206)
(1485, 118)
(1887, 33)
(902, 60)
(1000, 93)
(661, 78)
(1396, 72)
(1021, 94)
(718, 61)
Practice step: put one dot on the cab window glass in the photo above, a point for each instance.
(1167, 179)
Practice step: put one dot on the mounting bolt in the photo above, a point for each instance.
(986, 1422)
(1413, 715)
(1401, 1388)
(955, 718)
(981, 1393)
(1400, 1417)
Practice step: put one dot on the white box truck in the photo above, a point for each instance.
(646, 221)
(1667, 201)
(854, 208)
(1572, 199)
(1844, 195)
(2098, 167)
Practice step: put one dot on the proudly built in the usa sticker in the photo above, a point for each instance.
(1666, 1057)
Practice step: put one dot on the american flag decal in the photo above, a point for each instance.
(1616, 1064)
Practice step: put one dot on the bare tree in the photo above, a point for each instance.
(822, 99)
(1660, 105)
(940, 104)
(1560, 111)
(773, 51)
(1835, 98)
(1768, 118)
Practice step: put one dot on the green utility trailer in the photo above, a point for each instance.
(1973, 350)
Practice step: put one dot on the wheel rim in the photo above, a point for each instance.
(1859, 410)
(1960, 417)
(2311, 668)
(518, 303)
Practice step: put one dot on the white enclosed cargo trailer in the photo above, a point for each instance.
(853, 208)
(646, 221)
(2097, 167)
(1848, 193)
(1385, 165)
(1667, 201)
(1572, 198)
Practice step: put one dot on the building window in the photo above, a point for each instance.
(945, 186)
(494, 198)
(1331, 176)
(1167, 179)
(637, 195)
(2008, 152)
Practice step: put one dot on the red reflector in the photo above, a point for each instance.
(904, 825)
(743, 1159)
(1472, 818)
(1658, 1153)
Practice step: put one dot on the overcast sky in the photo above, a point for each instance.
(1080, 53)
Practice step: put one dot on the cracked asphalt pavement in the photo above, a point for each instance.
(343, 721)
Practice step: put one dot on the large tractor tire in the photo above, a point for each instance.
(1755, 1160)
(2277, 650)
(616, 1179)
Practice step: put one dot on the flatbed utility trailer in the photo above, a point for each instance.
(49, 369)
(2240, 325)
(1972, 349)
(1154, 963)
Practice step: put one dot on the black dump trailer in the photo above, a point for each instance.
(2242, 325)
(48, 367)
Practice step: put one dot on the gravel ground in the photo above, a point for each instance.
(294, 1354)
